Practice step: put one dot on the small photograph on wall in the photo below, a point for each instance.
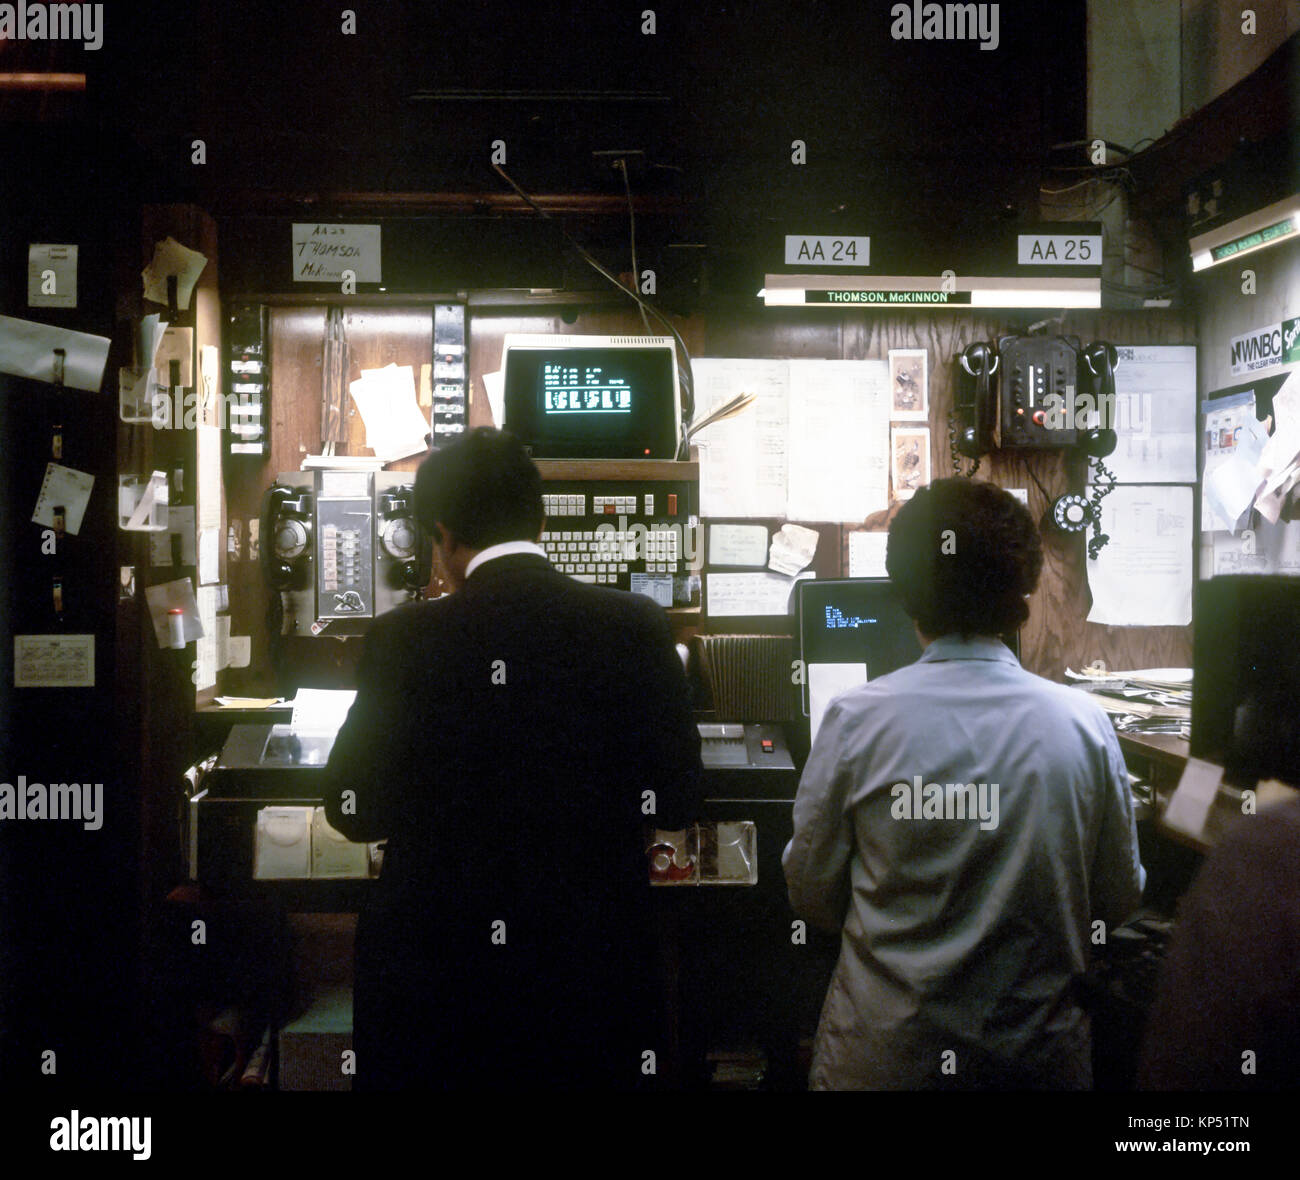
(910, 460)
(909, 383)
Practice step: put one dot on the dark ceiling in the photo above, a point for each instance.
(932, 142)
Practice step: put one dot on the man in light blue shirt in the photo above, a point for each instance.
(963, 824)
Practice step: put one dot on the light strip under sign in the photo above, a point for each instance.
(1265, 227)
(912, 291)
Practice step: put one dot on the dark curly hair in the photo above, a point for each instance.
(483, 487)
(963, 554)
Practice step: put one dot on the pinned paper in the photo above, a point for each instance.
(867, 555)
(793, 548)
(54, 661)
(51, 276)
(177, 344)
(65, 489)
(141, 504)
(163, 598)
(171, 258)
(385, 398)
(494, 385)
(27, 349)
(737, 544)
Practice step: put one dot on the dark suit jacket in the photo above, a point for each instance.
(507, 741)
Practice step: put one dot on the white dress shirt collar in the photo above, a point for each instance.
(503, 550)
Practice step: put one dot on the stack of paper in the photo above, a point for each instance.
(395, 425)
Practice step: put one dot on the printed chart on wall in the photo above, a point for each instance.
(814, 444)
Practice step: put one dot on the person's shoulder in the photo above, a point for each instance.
(402, 622)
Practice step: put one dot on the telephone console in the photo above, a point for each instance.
(342, 547)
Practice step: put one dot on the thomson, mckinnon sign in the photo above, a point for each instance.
(53, 22)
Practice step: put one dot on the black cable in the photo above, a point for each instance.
(687, 378)
(621, 165)
(1034, 476)
(1102, 486)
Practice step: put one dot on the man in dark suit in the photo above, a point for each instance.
(512, 742)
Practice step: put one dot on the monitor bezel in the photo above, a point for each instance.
(545, 341)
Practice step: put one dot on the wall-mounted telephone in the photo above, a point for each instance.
(341, 547)
(971, 424)
(1032, 393)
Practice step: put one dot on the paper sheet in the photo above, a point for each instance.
(321, 710)
(494, 385)
(171, 258)
(750, 594)
(1155, 407)
(827, 681)
(1230, 489)
(1190, 805)
(180, 521)
(743, 460)
(206, 651)
(54, 661)
(839, 439)
(1226, 418)
(162, 598)
(395, 425)
(51, 276)
(737, 544)
(1272, 551)
(65, 488)
(177, 344)
(793, 548)
(27, 350)
(1143, 575)
(867, 555)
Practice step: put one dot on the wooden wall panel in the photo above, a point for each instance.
(1056, 635)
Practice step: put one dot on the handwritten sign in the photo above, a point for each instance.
(322, 252)
(54, 661)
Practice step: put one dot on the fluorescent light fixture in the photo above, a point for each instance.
(894, 291)
(1265, 227)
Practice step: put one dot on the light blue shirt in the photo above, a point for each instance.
(962, 939)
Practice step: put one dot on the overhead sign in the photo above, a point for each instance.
(1265, 348)
(1270, 233)
(812, 250)
(322, 252)
(1058, 249)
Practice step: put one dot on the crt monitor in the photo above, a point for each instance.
(592, 397)
(852, 630)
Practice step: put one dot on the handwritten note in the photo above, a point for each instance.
(322, 252)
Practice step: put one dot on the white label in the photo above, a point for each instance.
(54, 661)
(321, 253)
(51, 276)
(804, 250)
(1058, 250)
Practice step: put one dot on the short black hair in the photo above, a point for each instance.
(484, 487)
(963, 554)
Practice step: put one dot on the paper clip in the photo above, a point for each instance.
(60, 365)
(58, 596)
(60, 515)
(56, 442)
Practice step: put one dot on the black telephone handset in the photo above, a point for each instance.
(284, 537)
(407, 553)
(970, 425)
